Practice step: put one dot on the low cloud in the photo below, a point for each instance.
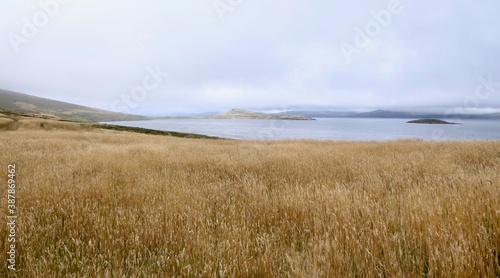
(263, 54)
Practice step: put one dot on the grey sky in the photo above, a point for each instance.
(256, 54)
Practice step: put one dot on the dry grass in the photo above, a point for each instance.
(110, 204)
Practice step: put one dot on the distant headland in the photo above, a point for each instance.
(246, 114)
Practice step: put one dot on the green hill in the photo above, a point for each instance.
(47, 108)
(246, 114)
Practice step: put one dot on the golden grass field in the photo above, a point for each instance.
(96, 203)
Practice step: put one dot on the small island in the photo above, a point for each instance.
(246, 114)
(431, 122)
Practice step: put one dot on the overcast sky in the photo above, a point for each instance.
(163, 57)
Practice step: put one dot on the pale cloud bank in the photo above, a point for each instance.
(215, 55)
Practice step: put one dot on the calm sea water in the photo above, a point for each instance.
(327, 129)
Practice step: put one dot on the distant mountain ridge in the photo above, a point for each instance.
(320, 114)
(26, 104)
(391, 114)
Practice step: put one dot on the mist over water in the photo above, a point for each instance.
(328, 129)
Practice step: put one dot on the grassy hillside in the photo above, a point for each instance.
(13, 121)
(27, 104)
(96, 203)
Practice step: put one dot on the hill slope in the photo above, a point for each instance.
(12, 121)
(26, 104)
